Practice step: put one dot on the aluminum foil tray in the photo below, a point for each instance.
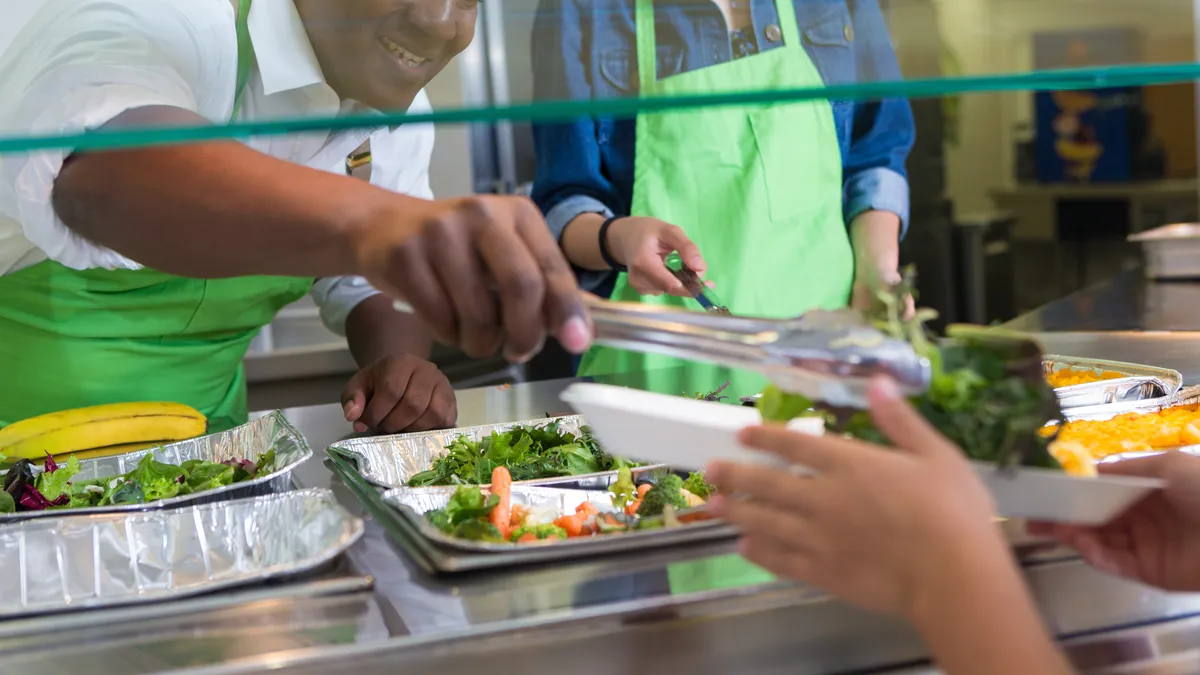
(546, 503)
(248, 441)
(69, 563)
(1141, 386)
(1144, 386)
(390, 461)
(1185, 396)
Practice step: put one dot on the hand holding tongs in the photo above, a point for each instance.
(699, 290)
(826, 356)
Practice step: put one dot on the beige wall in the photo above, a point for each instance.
(995, 36)
(450, 169)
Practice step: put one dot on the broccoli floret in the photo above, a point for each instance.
(698, 485)
(477, 530)
(668, 490)
(542, 531)
(440, 519)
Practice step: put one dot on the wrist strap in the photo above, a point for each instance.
(604, 252)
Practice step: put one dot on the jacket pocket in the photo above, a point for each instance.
(829, 39)
(619, 69)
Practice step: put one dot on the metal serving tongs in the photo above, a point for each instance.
(825, 356)
(698, 290)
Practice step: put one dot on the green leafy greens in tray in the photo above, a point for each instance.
(149, 481)
(528, 452)
(974, 398)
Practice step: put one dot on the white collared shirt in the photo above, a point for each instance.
(79, 63)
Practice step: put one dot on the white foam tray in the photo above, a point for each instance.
(688, 434)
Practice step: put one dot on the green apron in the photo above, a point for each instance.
(70, 339)
(759, 189)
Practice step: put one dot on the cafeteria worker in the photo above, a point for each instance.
(142, 274)
(785, 207)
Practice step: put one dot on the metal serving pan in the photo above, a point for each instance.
(67, 563)
(390, 461)
(1171, 251)
(1141, 386)
(543, 501)
(1189, 395)
(248, 441)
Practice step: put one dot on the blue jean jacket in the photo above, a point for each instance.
(585, 49)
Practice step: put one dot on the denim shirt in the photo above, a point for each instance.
(585, 49)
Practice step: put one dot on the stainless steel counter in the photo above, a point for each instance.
(1127, 318)
(595, 616)
(619, 612)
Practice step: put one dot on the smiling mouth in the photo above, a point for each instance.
(408, 58)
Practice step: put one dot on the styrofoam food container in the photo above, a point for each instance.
(681, 432)
(689, 434)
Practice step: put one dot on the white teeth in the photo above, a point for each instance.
(401, 53)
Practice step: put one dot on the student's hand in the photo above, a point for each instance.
(1155, 542)
(643, 244)
(399, 393)
(483, 272)
(883, 528)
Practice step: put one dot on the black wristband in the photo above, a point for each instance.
(604, 253)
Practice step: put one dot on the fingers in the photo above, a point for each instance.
(478, 330)
(763, 484)
(423, 290)
(778, 559)
(675, 239)
(1154, 466)
(515, 273)
(391, 383)
(648, 274)
(466, 252)
(442, 411)
(761, 522)
(424, 405)
(900, 422)
(819, 453)
(355, 394)
(563, 310)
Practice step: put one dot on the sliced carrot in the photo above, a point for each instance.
(519, 515)
(527, 538)
(642, 489)
(588, 508)
(501, 516)
(573, 524)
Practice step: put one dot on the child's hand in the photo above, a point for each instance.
(1157, 541)
(888, 529)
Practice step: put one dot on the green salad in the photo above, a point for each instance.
(150, 480)
(528, 452)
(973, 397)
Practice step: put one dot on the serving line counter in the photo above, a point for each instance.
(375, 610)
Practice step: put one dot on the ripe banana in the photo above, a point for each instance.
(71, 431)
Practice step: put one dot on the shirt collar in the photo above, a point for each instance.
(285, 56)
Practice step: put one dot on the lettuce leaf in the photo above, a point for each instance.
(203, 476)
(54, 482)
(157, 480)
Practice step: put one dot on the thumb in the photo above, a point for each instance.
(899, 421)
(354, 396)
(676, 239)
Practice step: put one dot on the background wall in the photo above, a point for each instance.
(995, 36)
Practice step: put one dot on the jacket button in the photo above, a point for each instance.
(773, 33)
(848, 32)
